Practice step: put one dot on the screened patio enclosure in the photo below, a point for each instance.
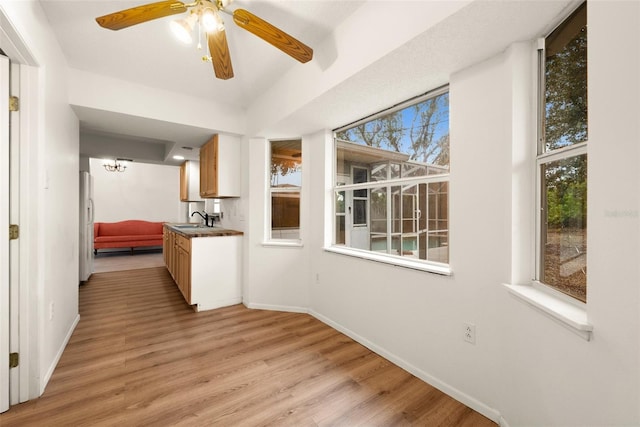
(390, 203)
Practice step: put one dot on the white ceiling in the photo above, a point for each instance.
(148, 54)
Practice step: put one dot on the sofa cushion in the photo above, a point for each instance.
(133, 238)
(129, 228)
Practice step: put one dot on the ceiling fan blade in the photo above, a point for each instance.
(137, 15)
(220, 57)
(273, 35)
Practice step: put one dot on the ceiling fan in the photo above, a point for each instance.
(206, 14)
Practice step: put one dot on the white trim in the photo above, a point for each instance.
(502, 422)
(31, 306)
(56, 359)
(563, 153)
(272, 307)
(15, 246)
(471, 402)
(4, 236)
(396, 182)
(569, 314)
(282, 243)
(430, 267)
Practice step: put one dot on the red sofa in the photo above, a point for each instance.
(126, 234)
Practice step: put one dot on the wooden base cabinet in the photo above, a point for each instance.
(205, 269)
(183, 266)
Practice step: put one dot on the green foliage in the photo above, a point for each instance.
(566, 94)
(566, 184)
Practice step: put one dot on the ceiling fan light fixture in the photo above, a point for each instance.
(208, 19)
(182, 28)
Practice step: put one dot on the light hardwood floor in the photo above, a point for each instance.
(141, 356)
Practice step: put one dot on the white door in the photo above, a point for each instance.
(4, 233)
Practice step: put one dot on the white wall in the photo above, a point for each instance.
(275, 276)
(51, 186)
(525, 369)
(552, 377)
(143, 191)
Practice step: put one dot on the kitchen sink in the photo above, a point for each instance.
(183, 226)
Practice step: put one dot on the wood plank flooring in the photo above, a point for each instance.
(141, 356)
(118, 261)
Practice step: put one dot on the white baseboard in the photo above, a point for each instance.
(270, 307)
(53, 365)
(460, 396)
(502, 422)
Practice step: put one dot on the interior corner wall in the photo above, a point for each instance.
(416, 318)
(143, 191)
(276, 276)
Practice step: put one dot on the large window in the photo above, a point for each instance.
(392, 181)
(562, 158)
(285, 185)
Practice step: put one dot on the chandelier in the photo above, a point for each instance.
(117, 165)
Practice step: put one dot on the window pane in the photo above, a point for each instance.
(359, 212)
(410, 142)
(408, 217)
(438, 247)
(379, 171)
(340, 230)
(340, 201)
(566, 83)
(379, 210)
(285, 215)
(564, 205)
(286, 180)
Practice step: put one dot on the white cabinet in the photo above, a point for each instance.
(215, 271)
(205, 269)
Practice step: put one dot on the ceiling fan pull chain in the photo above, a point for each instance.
(199, 35)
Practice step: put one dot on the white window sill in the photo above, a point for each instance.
(441, 269)
(566, 313)
(283, 243)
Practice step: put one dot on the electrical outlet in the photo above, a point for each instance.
(51, 310)
(470, 333)
(317, 278)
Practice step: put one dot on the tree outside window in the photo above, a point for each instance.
(562, 158)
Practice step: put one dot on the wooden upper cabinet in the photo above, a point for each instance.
(189, 181)
(220, 167)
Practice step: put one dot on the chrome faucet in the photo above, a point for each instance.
(205, 217)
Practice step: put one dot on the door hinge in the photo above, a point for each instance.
(14, 359)
(14, 231)
(14, 103)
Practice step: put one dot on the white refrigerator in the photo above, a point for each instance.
(86, 226)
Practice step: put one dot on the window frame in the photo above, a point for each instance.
(546, 156)
(270, 240)
(388, 184)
